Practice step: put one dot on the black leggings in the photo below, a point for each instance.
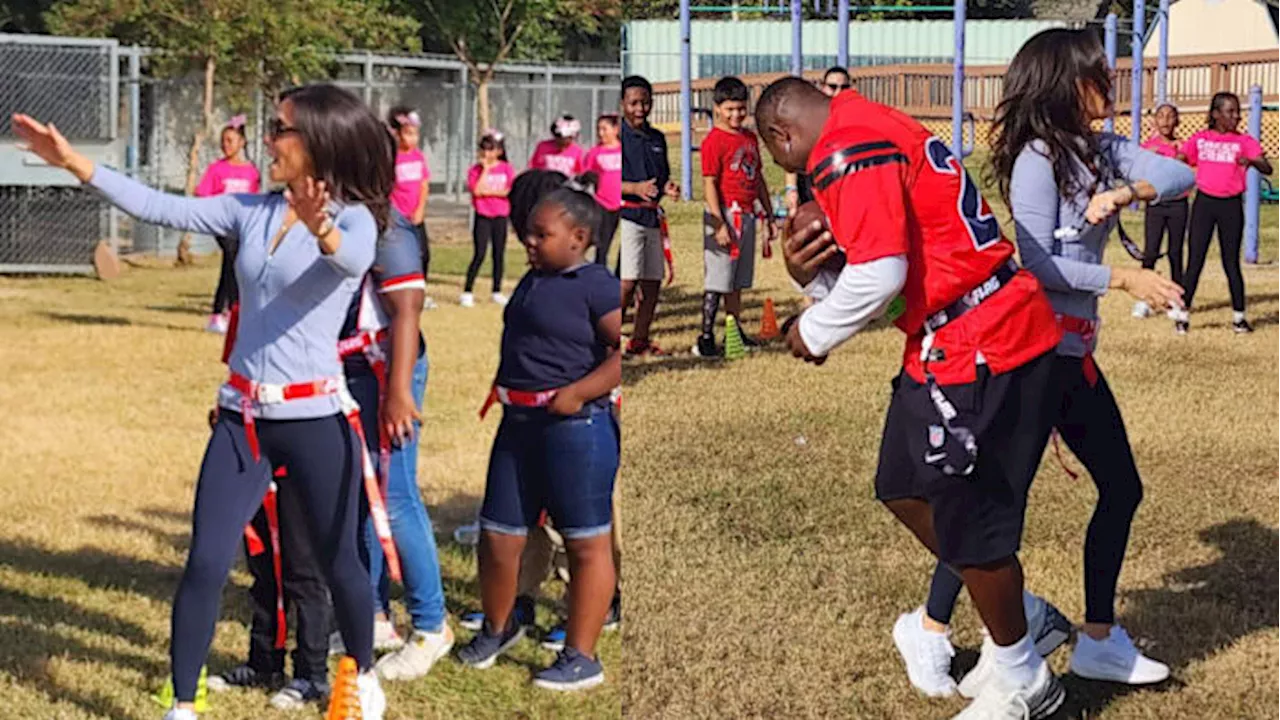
(1227, 214)
(1171, 218)
(227, 294)
(306, 596)
(324, 465)
(1089, 422)
(604, 241)
(487, 231)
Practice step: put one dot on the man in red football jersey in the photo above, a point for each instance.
(966, 424)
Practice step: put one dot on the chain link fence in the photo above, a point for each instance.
(105, 99)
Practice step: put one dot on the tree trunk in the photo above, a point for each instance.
(193, 158)
(482, 101)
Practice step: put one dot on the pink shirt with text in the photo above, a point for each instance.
(498, 178)
(606, 162)
(567, 162)
(1215, 156)
(411, 170)
(224, 177)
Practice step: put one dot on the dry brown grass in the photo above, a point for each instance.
(106, 388)
(763, 577)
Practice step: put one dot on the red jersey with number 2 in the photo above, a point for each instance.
(889, 187)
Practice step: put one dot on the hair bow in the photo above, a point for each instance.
(567, 128)
(412, 118)
(237, 122)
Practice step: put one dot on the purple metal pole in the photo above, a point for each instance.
(957, 82)
(1162, 61)
(1253, 193)
(686, 103)
(842, 34)
(1139, 26)
(797, 51)
(1109, 39)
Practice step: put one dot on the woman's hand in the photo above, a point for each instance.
(311, 205)
(806, 249)
(1105, 204)
(565, 402)
(1147, 286)
(49, 145)
(399, 416)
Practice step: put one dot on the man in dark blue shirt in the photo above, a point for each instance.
(646, 176)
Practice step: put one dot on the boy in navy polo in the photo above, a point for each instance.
(557, 447)
(646, 176)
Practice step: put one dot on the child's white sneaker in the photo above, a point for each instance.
(499, 299)
(417, 656)
(1115, 659)
(467, 300)
(373, 702)
(180, 714)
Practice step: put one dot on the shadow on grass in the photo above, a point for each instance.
(1252, 299)
(1198, 611)
(1272, 318)
(111, 320)
(180, 309)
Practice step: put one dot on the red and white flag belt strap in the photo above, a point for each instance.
(274, 394)
(373, 491)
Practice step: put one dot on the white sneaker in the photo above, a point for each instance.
(428, 303)
(927, 655)
(467, 300)
(218, 323)
(499, 299)
(373, 702)
(417, 656)
(385, 639)
(1141, 309)
(1046, 626)
(1000, 700)
(1116, 660)
(180, 714)
(1172, 313)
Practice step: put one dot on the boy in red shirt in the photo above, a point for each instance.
(967, 420)
(736, 196)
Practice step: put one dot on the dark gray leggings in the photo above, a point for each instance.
(1090, 424)
(321, 457)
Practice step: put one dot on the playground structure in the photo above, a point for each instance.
(920, 90)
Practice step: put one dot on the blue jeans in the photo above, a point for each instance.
(565, 465)
(410, 527)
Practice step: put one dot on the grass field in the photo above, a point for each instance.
(106, 388)
(763, 577)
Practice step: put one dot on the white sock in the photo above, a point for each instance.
(1018, 661)
(1237, 316)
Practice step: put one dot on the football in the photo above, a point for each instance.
(806, 214)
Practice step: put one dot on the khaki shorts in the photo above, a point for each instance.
(641, 252)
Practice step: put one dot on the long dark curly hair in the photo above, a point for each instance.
(1042, 102)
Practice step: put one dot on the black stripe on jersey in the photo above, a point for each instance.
(847, 154)
(836, 173)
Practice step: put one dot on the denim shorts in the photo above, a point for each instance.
(564, 465)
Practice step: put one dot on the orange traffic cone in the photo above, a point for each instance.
(769, 323)
(344, 702)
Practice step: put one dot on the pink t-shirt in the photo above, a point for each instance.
(411, 170)
(225, 177)
(547, 156)
(1214, 156)
(500, 177)
(1158, 145)
(607, 163)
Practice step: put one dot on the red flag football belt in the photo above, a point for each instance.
(1087, 330)
(531, 399)
(663, 229)
(370, 342)
(269, 394)
(271, 508)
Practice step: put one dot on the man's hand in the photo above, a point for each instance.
(672, 190)
(647, 189)
(213, 417)
(796, 344)
(806, 249)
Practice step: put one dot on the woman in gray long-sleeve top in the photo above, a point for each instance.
(303, 254)
(1056, 174)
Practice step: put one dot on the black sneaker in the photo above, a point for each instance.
(614, 618)
(1242, 327)
(243, 676)
(483, 650)
(706, 347)
(1181, 327)
(749, 342)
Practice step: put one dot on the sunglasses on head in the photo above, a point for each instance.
(276, 128)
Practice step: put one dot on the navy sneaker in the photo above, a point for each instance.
(483, 650)
(243, 676)
(299, 693)
(572, 671)
(523, 611)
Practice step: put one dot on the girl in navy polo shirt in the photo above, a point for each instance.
(557, 447)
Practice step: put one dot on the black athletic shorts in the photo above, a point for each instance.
(978, 518)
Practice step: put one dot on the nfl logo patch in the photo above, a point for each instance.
(935, 436)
